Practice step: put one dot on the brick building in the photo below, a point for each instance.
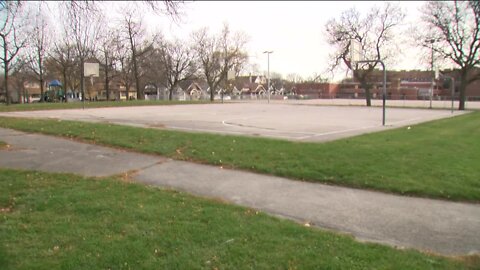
(410, 85)
(316, 90)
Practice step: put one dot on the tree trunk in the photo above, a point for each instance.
(82, 74)
(463, 88)
(107, 89)
(40, 73)
(212, 92)
(42, 89)
(140, 95)
(367, 92)
(64, 74)
(5, 64)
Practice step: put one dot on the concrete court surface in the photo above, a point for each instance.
(441, 227)
(280, 120)
(425, 104)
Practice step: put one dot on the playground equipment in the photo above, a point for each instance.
(55, 92)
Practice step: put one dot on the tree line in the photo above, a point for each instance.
(33, 46)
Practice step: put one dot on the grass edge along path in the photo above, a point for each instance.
(95, 104)
(50, 221)
(435, 159)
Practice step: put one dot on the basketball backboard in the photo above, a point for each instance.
(91, 69)
(356, 53)
(231, 75)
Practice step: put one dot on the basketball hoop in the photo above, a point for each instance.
(89, 70)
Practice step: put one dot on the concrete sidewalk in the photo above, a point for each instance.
(431, 225)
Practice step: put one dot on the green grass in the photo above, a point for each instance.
(96, 104)
(438, 159)
(60, 221)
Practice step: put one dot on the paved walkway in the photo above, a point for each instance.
(431, 225)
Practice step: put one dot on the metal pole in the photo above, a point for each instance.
(268, 67)
(82, 82)
(268, 72)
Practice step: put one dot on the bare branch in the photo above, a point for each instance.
(456, 27)
(219, 54)
(374, 34)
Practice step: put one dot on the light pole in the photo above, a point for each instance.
(268, 72)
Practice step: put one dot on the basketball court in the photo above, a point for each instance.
(280, 119)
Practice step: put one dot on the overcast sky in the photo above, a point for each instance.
(294, 30)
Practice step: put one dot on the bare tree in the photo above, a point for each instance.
(178, 62)
(125, 68)
(12, 41)
(134, 34)
(83, 24)
(455, 27)
(374, 33)
(170, 8)
(219, 54)
(294, 77)
(20, 76)
(38, 46)
(109, 50)
(63, 61)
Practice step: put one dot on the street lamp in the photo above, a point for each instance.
(268, 72)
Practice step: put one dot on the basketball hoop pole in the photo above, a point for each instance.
(384, 95)
(268, 74)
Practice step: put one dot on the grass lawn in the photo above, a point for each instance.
(437, 159)
(96, 104)
(53, 221)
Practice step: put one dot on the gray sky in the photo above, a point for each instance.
(294, 30)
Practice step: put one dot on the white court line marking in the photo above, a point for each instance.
(335, 132)
(270, 129)
(369, 127)
(312, 135)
